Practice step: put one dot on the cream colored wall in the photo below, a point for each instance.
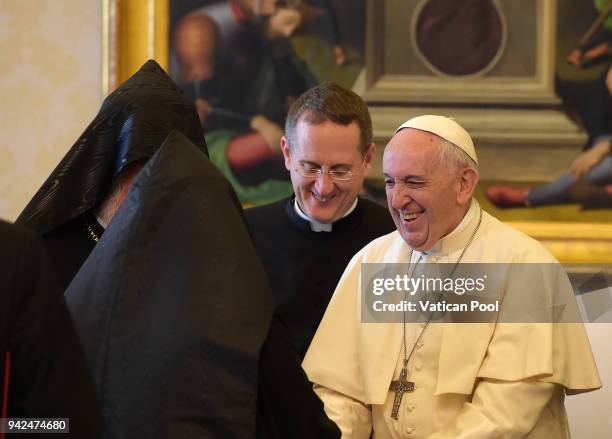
(50, 88)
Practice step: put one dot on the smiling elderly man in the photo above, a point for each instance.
(443, 380)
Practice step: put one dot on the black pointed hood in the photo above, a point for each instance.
(132, 123)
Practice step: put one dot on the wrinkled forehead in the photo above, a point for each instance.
(411, 151)
(413, 141)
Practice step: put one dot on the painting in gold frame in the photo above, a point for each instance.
(240, 62)
(136, 30)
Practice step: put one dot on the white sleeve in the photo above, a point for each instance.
(500, 409)
(352, 417)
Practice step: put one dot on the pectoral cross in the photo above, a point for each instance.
(400, 387)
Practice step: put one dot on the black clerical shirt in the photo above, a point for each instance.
(303, 266)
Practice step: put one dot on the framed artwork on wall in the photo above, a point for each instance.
(243, 62)
(400, 55)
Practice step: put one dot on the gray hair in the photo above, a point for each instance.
(449, 153)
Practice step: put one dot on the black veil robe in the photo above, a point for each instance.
(132, 123)
(43, 372)
(172, 305)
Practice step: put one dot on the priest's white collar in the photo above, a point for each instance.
(458, 237)
(316, 226)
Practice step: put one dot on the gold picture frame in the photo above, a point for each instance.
(133, 31)
(136, 30)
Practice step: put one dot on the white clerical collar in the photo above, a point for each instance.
(316, 226)
(458, 238)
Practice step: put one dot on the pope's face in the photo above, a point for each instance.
(422, 193)
(329, 146)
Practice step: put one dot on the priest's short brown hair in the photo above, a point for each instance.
(329, 101)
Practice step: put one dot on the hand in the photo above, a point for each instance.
(270, 131)
(597, 51)
(575, 57)
(586, 160)
(203, 108)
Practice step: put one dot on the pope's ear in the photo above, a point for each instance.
(284, 144)
(468, 179)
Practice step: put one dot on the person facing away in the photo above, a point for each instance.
(174, 313)
(429, 379)
(305, 241)
(43, 372)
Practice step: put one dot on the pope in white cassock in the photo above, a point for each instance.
(444, 380)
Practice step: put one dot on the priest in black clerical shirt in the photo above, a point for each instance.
(305, 242)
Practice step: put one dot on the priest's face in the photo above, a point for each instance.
(326, 147)
(424, 196)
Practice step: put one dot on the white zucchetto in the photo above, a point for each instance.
(445, 128)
